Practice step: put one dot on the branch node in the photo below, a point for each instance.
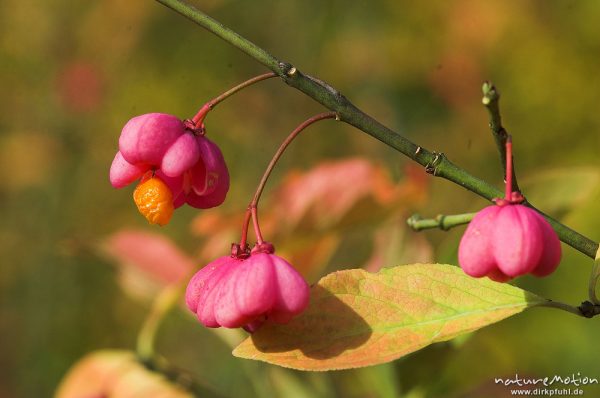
(440, 218)
(432, 167)
(589, 309)
(287, 69)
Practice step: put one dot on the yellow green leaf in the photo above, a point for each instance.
(356, 318)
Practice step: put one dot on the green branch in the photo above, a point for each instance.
(434, 163)
(417, 223)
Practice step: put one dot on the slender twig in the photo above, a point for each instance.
(161, 306)
(595, 275)
(491, 98)
(562, 306)
(443, 222)
(332, 99)
(252, 207)
(587, 309)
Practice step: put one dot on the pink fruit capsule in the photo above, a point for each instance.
(233, 292)
(190, 164)
(508, 241)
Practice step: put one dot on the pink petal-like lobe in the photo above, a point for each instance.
(214, 174)
(551, 252)
(257, 286)
(293, 291)
(123, 173)
(211, 200)
(180, 156)
(475, 250)
(224, 267)
(198, 284)
(206, 302)
(146, 138)
(226, 311)
(517, 240)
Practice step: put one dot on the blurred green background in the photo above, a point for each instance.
(72, 74)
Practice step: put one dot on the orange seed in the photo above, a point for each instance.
(154, 200)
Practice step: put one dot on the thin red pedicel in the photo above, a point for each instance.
(508, 239)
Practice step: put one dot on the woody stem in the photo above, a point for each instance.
(199, 117)
(263, 181)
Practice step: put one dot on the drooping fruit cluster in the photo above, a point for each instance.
(179, 157)
(177, 164)
(244, 291)
(508, 239)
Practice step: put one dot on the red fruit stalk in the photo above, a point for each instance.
(508, 239)
(251, 211)
(508, 175)
(198, 119)
(249, 287)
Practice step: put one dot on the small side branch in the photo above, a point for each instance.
(417, 223)
(491, 98)
(587, 309)
(563, 307)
